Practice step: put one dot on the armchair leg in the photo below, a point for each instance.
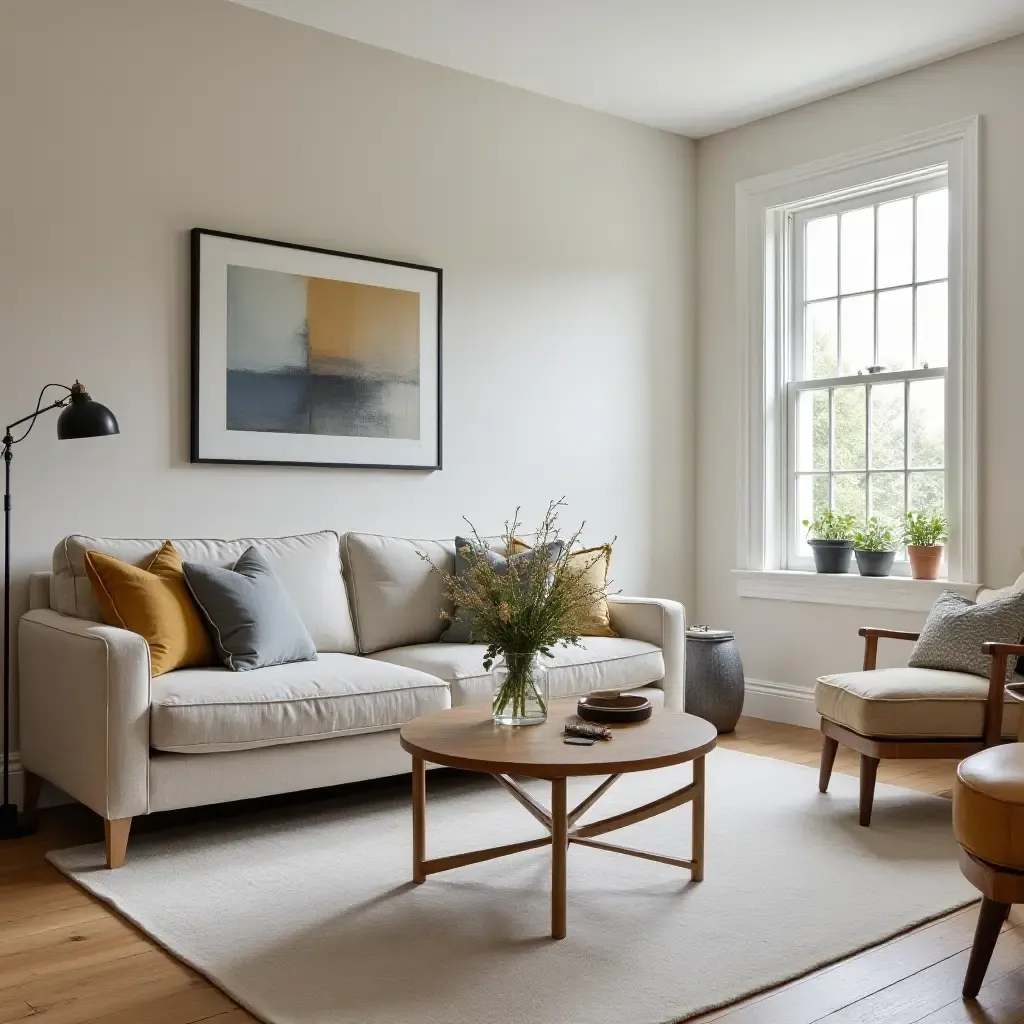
(31, 785)
(829, 747)
(990, 921)
(868, 770)
(115, 840)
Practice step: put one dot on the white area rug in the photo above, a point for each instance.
(308, 916)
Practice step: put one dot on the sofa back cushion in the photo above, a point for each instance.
(396, 596)
(309, 567)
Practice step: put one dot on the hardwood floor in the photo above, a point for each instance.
(66, 959)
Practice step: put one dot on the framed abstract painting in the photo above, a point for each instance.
(305, 356)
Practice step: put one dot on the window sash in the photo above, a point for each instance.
(791, 547)
(793, 350)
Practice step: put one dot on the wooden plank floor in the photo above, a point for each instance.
(66, 959)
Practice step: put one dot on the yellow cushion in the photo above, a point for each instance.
(155, 603)
(597, 561)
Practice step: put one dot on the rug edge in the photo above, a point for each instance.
(249, 1008)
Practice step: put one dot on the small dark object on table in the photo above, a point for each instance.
(610, 706)
(592, 732)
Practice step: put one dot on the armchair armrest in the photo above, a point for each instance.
(84, 697)
(872, 634)
(658, 622)
(997, 687)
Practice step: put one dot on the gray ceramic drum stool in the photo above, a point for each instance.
(714, 677)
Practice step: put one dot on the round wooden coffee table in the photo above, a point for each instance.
(468, 738)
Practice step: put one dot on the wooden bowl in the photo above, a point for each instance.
(609, 708)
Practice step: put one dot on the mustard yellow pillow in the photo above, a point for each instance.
(597, 561)
(155, 603)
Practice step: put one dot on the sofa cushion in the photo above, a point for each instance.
(308, 565)
(203, 710)
(253, 621)
(908, 703)
(155, 603)
(599, 663)
(397, 597)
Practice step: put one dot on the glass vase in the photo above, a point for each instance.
(520, 690)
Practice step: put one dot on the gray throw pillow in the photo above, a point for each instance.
(253, 620)
(466, 553)
(957, 627)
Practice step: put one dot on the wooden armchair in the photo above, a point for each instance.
(911, 712)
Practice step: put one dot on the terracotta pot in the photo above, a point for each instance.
(925, 561)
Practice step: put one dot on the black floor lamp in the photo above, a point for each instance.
(81, 417)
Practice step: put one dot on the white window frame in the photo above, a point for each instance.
(794, 222)
(762, 207)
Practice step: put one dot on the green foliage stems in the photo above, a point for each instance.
(924, 529)
(830, 525)
(876, 536)
(527, 607)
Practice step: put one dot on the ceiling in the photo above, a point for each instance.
(689, 66)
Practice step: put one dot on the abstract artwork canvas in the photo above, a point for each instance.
(310, 356)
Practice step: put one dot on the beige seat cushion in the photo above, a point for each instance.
(909, 703)
(599, 663)
(203, 710)
(988, 805)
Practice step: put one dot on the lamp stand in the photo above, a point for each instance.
(12, 824)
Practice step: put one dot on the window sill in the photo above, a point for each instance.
(896, 593)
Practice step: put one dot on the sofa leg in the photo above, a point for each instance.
(868, 770)
(829, 747)
(115, 840)
(31, 785)
(990, 921)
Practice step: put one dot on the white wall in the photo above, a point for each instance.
(566, 239)
(788, 643)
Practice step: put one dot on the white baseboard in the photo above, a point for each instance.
(780, 702)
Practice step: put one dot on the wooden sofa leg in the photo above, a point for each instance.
(990, 920)
(868, 770)
(115, 840)
(31, 785)
(829, 747)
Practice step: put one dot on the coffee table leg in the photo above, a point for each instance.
(697, 872)
(419, 819)
(559, 852)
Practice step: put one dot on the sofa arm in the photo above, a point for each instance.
(658, 622)
(84, 692)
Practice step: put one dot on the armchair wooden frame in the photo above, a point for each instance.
(873, 748)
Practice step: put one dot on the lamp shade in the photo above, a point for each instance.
(84, 417)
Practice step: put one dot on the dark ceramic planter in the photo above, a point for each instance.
(875, 563)
(832, 555)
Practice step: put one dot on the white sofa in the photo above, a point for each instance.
(94, 722)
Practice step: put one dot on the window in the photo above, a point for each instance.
(867, 341)
(857, 311)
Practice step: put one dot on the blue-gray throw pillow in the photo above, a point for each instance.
(466, 553)
(253, 620)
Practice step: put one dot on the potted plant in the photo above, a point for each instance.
(924, 533)
(875, 548)
(831, 538)
(521, 607)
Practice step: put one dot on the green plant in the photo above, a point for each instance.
(924, 529)
(829, 525)
(876, 536)
(524, 607)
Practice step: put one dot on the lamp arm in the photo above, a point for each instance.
(9, 440)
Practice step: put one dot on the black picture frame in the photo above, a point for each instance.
(196, 455)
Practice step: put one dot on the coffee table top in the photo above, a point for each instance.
(468, 738)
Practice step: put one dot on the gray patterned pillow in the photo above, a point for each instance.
(957, 627)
